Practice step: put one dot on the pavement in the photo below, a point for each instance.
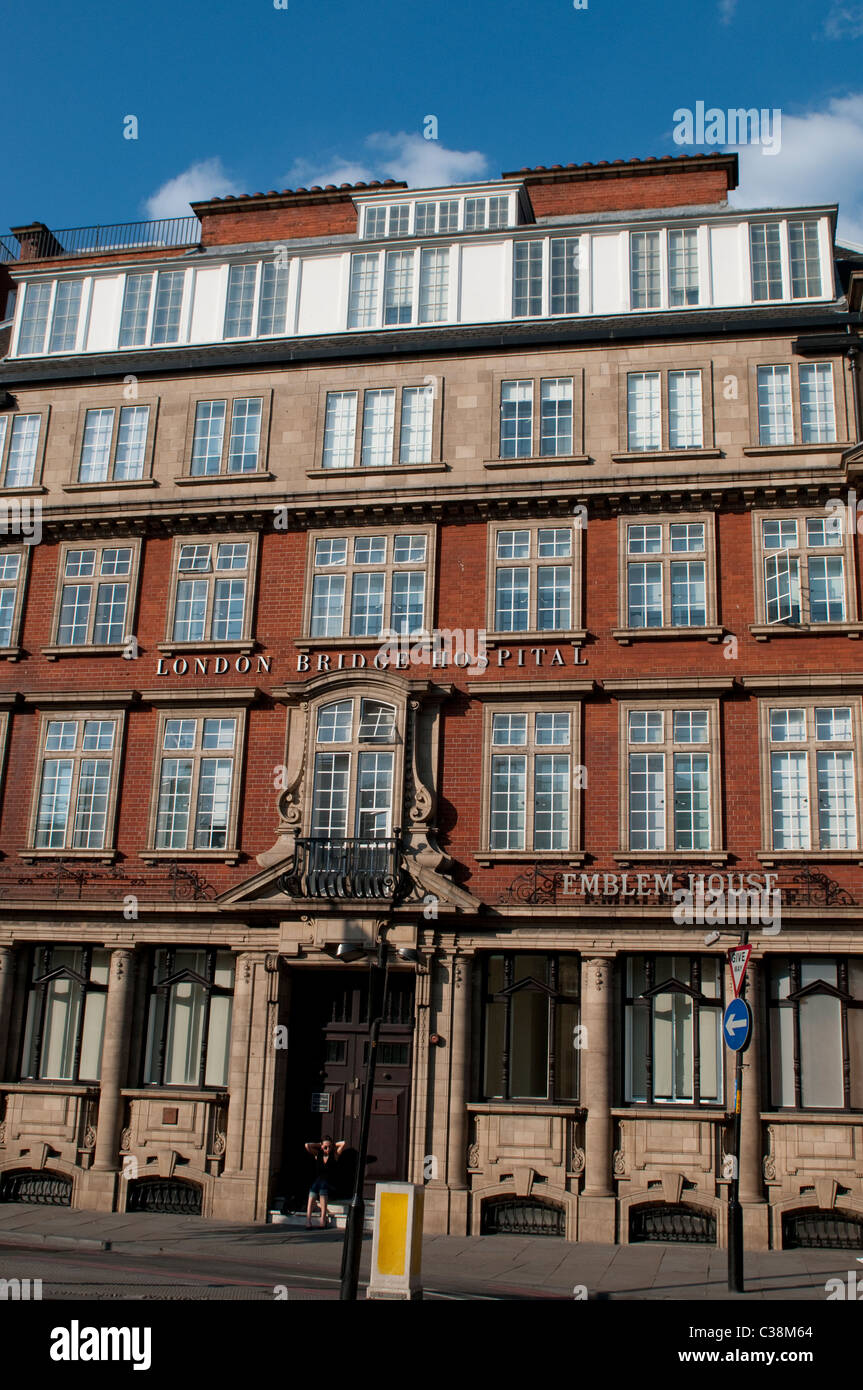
(100, 1255)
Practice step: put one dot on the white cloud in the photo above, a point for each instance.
(844, 21)
(726, 10)
(305, 173)
(206, 179)
(401, 155)
(425, 163)
(820, 161)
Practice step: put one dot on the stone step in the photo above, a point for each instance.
(336, 1218)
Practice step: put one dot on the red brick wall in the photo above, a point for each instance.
(461, 603)
(235, 225)
(680, 188)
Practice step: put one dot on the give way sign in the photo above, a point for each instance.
(738, 959)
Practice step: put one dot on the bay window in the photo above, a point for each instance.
(189, 1018)
(65, 1022)
(673, 1051)
(530, 1016)
(816, 1032)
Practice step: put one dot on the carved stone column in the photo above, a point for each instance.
(596, 1208)
(458, 1093)
(115, 1059)
(7, 981)
(755, 1210)
(238, 1065)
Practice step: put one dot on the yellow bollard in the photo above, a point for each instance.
(397, 1241)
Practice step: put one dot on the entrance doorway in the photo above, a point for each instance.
(327, 1057)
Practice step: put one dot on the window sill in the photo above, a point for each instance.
(521, 856)
(10, 653)
(665, 455)
(108, 485)
(71, 1088)
(244, 647)
(53, 652)
(224, 856)
(762, 632)
(570, 1108)
(187, 1092)
(27, 491)
(499, 639)
(790, 1115)
(803, 856)
(627, 635)
(776, 450)
(104, 856)
(404, 643)
(546, 461)
(669, 1110)
(716, 857)
(81, 699)
(380, 471)
(187, 480)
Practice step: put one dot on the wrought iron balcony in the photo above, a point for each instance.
(334, 867)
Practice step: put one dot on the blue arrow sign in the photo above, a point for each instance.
(737, 1024)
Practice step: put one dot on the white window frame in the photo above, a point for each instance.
(811, 745)
(801, 552)
(185, 308)
(45, 350)
(668, 746)
(533, 563)
(243, 643)
(530, 749)
(80, 717)
(93, 582)
(825, 269)
(350, 568)
(229, 851)
(415, 253)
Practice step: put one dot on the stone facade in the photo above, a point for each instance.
(157, 939)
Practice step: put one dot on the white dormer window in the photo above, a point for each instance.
(785, 260)
(50, 317)
(152, 308)
(427, 217)
(257, 296)
(412, 286)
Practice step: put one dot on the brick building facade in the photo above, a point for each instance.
(475, 567)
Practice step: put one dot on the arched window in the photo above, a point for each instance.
(354, 770)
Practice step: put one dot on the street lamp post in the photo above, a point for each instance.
(735, 1210)
(352, 1248)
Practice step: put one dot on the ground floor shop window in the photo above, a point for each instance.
(189, 1018)
(816, 1032)
(530, 1005)
(65, 1014)
(673, 1017)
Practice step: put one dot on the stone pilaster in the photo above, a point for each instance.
(7, 980)
(238, 1065)
(596, 1207)
(458, 1094)
(755, 1210)
(97, 1190)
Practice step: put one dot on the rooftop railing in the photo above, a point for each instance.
(40, 243)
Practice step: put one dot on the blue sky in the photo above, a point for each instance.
(235, 96)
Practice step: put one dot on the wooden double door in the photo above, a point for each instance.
(328, 1046)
